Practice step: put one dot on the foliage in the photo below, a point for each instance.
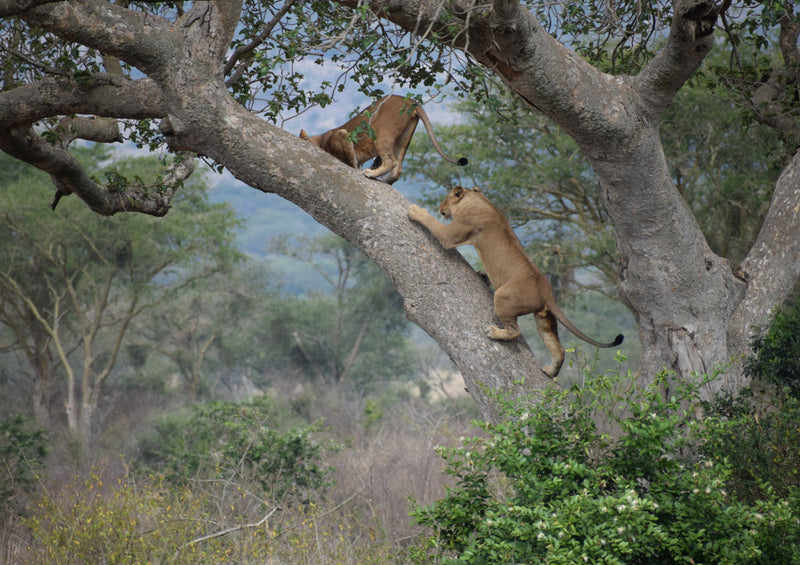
(776, 352)
(132, 522)
(239, 443)
(759, 440)
(547, 485)
(22, 452)
(73, 283)
(138, 521)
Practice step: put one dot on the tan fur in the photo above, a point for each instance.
(392, 120)
(520, 287)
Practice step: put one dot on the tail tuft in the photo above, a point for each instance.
(617, 340)
(463, 161)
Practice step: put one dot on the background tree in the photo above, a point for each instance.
(72, 287)
(203, 68)
(356, 330)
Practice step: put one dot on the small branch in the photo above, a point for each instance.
(258, 40)
(230, 530)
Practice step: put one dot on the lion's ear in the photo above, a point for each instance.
(458, 191)
(477, 189)
(303, 134)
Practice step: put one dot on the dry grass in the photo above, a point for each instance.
(389, 462)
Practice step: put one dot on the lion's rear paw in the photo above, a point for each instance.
(501, 334)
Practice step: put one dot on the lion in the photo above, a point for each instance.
(520, 287)
(383, 132)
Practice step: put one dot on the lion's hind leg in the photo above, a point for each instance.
(547, 326)
(506, 311)
(385, 162)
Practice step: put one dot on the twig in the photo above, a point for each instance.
(227, 531)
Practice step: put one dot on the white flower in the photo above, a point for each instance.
(540, 536)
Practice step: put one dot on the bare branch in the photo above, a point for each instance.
(227, 531)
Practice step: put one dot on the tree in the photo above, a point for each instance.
(201, 67)
(71, 288)
(354, 332)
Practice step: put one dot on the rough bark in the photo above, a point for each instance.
(688, 301)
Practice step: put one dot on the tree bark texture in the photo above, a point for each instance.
(694, 312)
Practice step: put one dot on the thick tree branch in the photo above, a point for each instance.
(773, 102)
(689, 42)
(141, 39)
(104, 95)
(14, 7)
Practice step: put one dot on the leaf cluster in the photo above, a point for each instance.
(547, 485)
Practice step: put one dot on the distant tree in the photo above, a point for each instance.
(357, 331)
(70, 287)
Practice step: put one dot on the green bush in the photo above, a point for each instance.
(547, 486)
(776, 352)
(239, 443)
(760, 442)
(134, 522)
(22, 453)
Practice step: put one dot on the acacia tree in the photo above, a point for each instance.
(200, 68)
(70, 290)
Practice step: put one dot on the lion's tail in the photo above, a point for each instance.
(429, 128)
(571, 327)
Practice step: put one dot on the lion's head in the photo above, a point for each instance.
(457, 196)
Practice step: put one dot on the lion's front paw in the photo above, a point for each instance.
(416, 212)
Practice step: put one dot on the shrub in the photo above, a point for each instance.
(133, 522)
(776, 352)
(760, 443)
(239, 443)
(22, 453)
(546, 486)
